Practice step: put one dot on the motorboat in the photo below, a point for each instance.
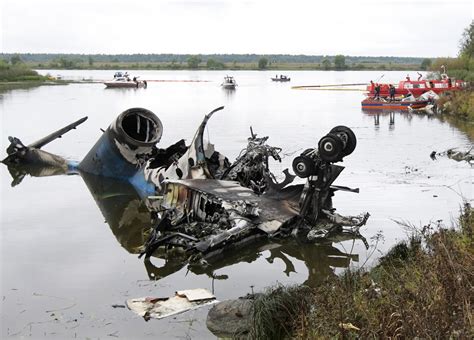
(281, 78)
(123, 80)
(229, 83)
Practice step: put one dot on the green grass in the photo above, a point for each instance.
(459, 104)
(18, 72)
(423, 288)
(276, 312)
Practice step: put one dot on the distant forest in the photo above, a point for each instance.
(213, 62)
(225, 58)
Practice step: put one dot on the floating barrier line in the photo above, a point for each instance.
(326, 89)
(153, 80)
(178, 81)
(333, 85)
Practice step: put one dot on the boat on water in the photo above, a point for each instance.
(418, 87)
(229, 83)
(383, 104)
(123, 80)
(281, 78)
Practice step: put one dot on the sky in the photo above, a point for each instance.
(418, 28)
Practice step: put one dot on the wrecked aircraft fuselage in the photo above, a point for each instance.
(199, 201)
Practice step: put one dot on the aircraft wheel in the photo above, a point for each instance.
(330, 148)
(347, 136)
(303, 166)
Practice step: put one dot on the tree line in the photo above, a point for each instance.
(225, 58)
(217, 61)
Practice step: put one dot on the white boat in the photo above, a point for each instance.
(229, 82)
(123, 81)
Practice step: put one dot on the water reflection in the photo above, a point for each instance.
(391, 116)
(124, 211)
(464, 126)
(320, 260)
(130, 222)
(229, 93)
(19, 172)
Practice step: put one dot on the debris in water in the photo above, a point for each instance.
(456, 155)
(159, 308)
(118, 306)
(199, 202)
(349, 327)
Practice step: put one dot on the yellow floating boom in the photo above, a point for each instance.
(310, 87)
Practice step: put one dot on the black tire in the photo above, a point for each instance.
(330, 148)
(348, 137)
(303, 166)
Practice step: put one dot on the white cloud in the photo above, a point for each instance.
(367, 27)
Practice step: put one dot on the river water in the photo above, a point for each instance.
(63, 267)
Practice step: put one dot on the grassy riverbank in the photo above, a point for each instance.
(18, 72)
(18, 75)
(458, 104)
(457, 108)
(423, 288)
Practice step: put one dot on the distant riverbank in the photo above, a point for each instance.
(217, 62)
(231, 66)
(18, 75)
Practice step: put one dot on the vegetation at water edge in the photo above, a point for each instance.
(15, 70)
(459, 104)
(423, 288)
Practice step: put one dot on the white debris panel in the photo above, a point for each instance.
(159, 308)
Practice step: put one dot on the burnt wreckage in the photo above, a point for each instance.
(199, 202)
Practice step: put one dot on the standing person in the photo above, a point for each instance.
(377, 92)
(392, 92)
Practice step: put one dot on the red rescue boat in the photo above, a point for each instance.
(418, 87)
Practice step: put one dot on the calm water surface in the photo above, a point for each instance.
(63, 267)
